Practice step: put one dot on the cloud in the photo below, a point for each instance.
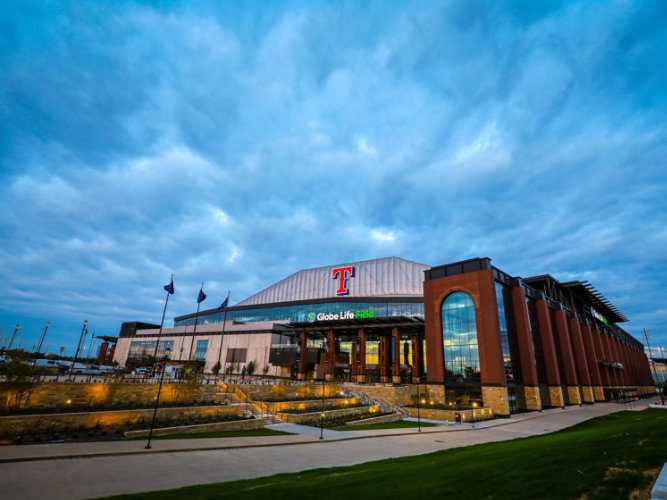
(236, 145)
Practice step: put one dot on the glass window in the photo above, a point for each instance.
(372, 352)
(200, 351)
(459, 336)
(504, 333)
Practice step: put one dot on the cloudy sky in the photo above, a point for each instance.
(234, 143)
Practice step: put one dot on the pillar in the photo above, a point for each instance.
(354, 361)
(103, 352)
(331, 353)
(416, 359)
(584, 375)
(526, 350)
(591, 359)
(569, 369)
(396, 361)
(549, 352)
(361, 377)
(608, 355)
(599, 352)
(303, 356)
(384, 359)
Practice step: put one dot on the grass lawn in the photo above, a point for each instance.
(401, 424)
(224, 434)
(604, 458)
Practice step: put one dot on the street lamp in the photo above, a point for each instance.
(16, 329)
(167, 352)
(78, 347)
(419, 397)
(41, 340)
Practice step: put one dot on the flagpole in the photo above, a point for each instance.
(192, 343)
(164, 311)
(222, 334)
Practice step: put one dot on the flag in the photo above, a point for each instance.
(170, 287)
(224, 304)
(202, 296)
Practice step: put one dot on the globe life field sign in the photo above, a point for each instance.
(361, 314)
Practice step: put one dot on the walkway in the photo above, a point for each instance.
(88, 470)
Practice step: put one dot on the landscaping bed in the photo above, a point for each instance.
(104, 425)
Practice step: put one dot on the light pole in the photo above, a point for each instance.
(16, 329)
(419, 397)
(324, 377)
(41, 340)
(76, 354)
(157, 398)
(655, 374)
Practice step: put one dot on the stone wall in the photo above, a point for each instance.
(294, 418)
(14, 425)
(394, 395)
(238, 425)
(58, 395)
(382, 419)
(450, 415)
(302, 405)
(285, 392)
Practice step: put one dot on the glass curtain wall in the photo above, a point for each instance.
(459, 332)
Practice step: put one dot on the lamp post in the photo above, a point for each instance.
(78, 347)
(652, 363)
(41, 340)
(324, 377)
(157, 398)
(16, 329)
(419, 397)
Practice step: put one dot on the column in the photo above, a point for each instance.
(361, 377)
(384, 359)
(620, 379)
(549, 351)
(303, 356)
(103, 352)
(526, 350)
(331, 351)
(599, 352)
(608, 355)
(396, 362)
(570, 372)
(416, 359)
(592, 361)
(581, 362)
(354, 361)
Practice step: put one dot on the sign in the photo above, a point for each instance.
(342, 274)
(599, 316)
(361, 314)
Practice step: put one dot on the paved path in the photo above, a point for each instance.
(88, 470)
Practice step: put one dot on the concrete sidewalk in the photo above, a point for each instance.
(86, 470)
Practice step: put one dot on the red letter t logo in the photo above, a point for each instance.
(342, 274)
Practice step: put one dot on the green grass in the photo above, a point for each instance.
(604, 458)
(401, 424)
(222, 434)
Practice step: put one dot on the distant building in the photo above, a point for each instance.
(466, 329)
(656, 357)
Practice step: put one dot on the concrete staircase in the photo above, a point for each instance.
(256, 409)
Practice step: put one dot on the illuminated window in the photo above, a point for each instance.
(459, 336)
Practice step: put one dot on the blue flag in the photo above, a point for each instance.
(202, 296)
(170, 287)
(224, 304)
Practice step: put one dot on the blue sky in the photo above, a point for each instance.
(237, 142)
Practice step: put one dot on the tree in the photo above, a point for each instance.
(20, 378)
(250, 368)
(265, 370)
(216, 368)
